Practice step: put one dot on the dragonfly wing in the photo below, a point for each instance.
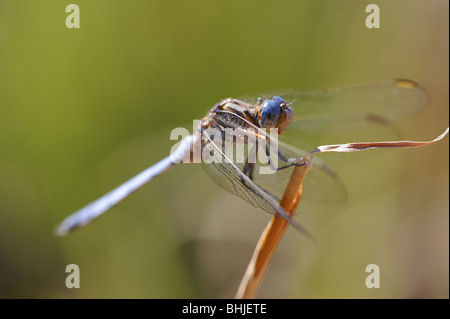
(353, 113)
(230, 176)
(321, 184)
(391, 99)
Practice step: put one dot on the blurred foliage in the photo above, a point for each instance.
(82, 110)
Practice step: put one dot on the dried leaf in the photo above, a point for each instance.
(362, 146)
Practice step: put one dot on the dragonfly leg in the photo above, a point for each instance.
(249, 169)
(269, 160)
(289, 161)
(292, 161)
(290, 165)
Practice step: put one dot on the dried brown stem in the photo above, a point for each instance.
(272, 235)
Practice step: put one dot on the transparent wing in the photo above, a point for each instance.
(354, 113)
(321, 184)
(231, 177)
(268, 165)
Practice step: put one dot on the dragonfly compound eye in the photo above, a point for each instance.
(279, 100)
(270, 113)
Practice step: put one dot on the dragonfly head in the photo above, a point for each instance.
(275, 113)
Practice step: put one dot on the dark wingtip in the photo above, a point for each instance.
(406, 84)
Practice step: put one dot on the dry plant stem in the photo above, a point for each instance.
(271, 236)
(274, 231)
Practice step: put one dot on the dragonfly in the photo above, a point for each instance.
(250, 145)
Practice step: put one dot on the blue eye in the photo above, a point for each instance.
(271, 110)
(279, 100)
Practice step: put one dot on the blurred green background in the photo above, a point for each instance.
(82, 110)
